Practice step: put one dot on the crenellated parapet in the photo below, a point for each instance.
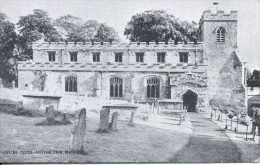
(112, 67)
(106, 46)
(219, 16)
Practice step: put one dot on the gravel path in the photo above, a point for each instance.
(208, 144)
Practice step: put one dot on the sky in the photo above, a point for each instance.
(117, 13)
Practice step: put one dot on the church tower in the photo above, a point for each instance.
(218, 32)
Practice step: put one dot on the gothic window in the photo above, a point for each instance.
(153, 87)
(161, 57)
(183, 57)
(96, 57)
(139, 57)
(116, 87)
(73, 56)
(51, 56)
(118, 57)
(71, 83)
(220, 34)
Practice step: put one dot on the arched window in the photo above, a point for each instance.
(220, 34)
(116, 87)
(71, 83)
(153, 87)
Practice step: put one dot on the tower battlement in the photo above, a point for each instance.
(219, 16)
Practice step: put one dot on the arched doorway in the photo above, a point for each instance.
(190, 100)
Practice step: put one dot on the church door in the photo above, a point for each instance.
(190, 100)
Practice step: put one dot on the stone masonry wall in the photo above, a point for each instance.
(224, 76)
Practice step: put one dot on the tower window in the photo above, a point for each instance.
(73, 56)
(139, 57)
(96, 57)
(71, 83)
(118, 57)
(51, 56)
(160, 57)
(220, 34)
(183, 57)
(153, 88)
(116, 87)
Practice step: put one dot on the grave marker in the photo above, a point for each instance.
(131, 121)
(113, 124)
(104, 120)
(50, 114)
(78, 131)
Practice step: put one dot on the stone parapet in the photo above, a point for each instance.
(156, 67)
(106, 46)
(219, 16)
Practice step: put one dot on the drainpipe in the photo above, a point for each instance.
(61, 56)
(169, 87)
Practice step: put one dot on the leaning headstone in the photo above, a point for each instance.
(78, 131)
(65, 118)
(104, 120)
(113, 124)
(131, 121)
(50, 116)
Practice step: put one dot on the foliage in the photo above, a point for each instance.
(158, 25)
(19, 110)
(32, 28)
(53, 122)
(40, 80)
(253, 79)
(8, 38)
(256, 116)
(75, 29)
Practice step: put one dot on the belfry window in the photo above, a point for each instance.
(139, 57)
(116, 87)
(153, 87)
(73, 56)
(51, 56)
(71, 83)
(220, 32)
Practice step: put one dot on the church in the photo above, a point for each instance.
(69, 75)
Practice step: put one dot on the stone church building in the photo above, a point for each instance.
(71, 74)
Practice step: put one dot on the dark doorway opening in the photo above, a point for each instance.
(190, 100)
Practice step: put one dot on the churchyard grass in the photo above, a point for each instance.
(128, 144)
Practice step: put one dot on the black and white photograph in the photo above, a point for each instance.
(129, 81)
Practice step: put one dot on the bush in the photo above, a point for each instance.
(19, 110)
(54, 122)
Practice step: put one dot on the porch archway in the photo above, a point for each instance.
(190, 100)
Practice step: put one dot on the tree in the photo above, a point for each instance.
(75, 29)
(32, 28)
(253, 80)
(158, 25)
(106, 33)
(8, 39)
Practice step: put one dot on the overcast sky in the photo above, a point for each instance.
(117, 13)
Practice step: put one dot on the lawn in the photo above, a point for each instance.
(140, 143)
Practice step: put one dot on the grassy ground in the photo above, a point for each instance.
(129, 144)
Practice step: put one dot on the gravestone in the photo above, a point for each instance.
(78, 131)
(1, 85)
(131, 121)
(104, 120)
(50, 116)
(113, 124)
(65, 118)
